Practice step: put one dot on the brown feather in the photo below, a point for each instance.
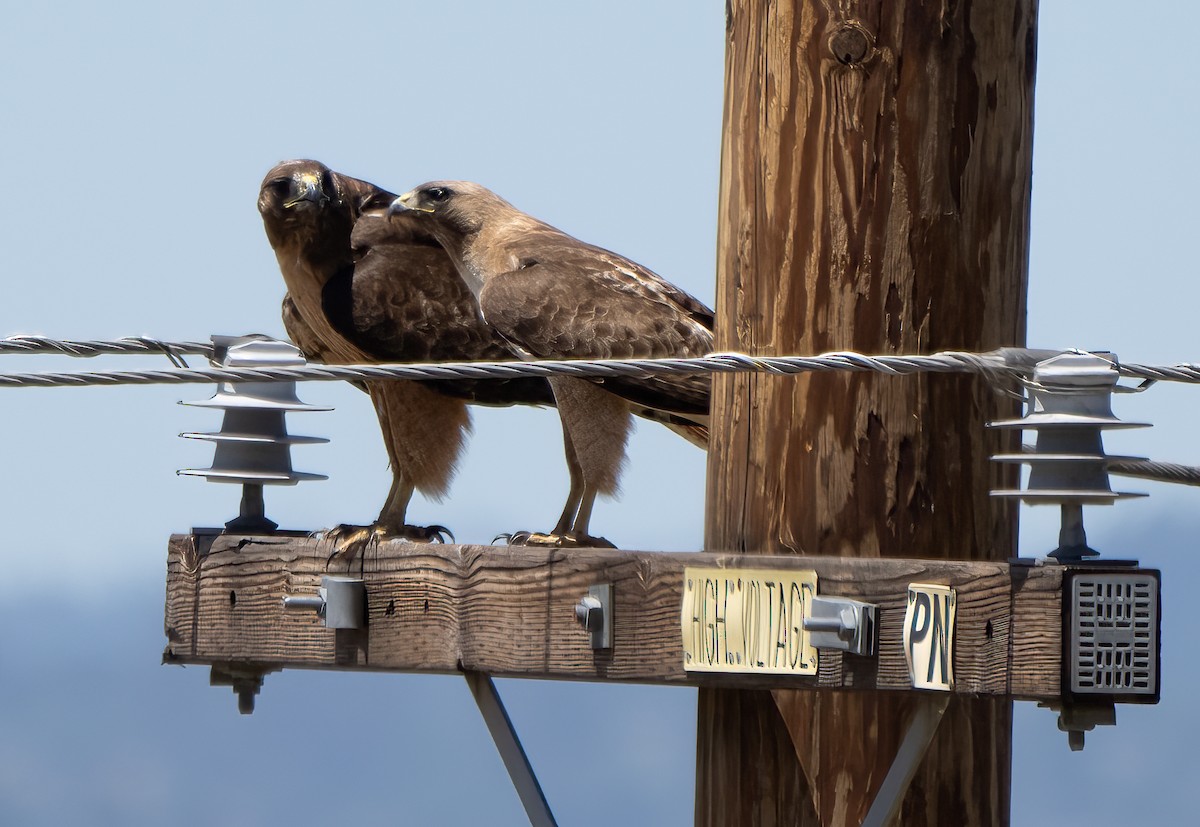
(552, 296)
(384, 294)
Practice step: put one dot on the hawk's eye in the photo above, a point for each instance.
(280, 185)
(327, 186)
(437, 194)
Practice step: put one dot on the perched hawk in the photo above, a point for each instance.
(362, 288)
(552, 296)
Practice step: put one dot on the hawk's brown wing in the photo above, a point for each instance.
(402, 300)
(302, 334)
(568, 299)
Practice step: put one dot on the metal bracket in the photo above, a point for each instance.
(246, 682)
(1077, 718)
(594, 613)
(511, 752)
(341, 602)
(841, 623)
(917, 738)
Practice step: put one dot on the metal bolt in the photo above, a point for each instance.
(843, 625)
(246, 683)
(246, 700)
(341, 602)
(314, 603)
(594, 613)
(589, 613)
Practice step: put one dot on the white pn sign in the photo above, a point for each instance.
(929, 636)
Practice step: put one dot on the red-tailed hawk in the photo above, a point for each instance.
(362, 288)
(552, 296)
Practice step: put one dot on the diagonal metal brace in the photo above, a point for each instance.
(917, 738)
(511, 751)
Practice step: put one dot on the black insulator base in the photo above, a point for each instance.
(251, 518)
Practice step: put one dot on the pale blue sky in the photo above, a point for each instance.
(135, 139)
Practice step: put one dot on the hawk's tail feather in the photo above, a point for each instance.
(692, 428)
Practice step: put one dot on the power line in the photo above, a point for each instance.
(991, 364)
(1010, 361)
(1003, 363)
(96, 347)
(1002, 367)
(1146, 469)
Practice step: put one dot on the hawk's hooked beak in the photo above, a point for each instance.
(406, 203)
(307, 187)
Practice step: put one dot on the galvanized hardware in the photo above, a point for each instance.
(1070, 406)
(341, 602)
(594, 613)
(253, 447)
(1111, 640)
(504, 735)
(1077, 718)
(246, 682)
(841, 623)
(917, 738)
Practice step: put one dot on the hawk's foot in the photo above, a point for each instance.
(350, 540)
(552, 540)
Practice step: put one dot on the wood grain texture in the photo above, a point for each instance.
(510, 612)
(875, 186)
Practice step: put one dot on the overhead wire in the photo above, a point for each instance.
(1003, 368)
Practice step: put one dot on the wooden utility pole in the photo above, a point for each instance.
(875, 186)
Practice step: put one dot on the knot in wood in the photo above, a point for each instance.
(851, 44)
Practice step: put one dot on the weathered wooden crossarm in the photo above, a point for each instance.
(510, 612)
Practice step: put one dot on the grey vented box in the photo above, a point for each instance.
(1112, 635)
